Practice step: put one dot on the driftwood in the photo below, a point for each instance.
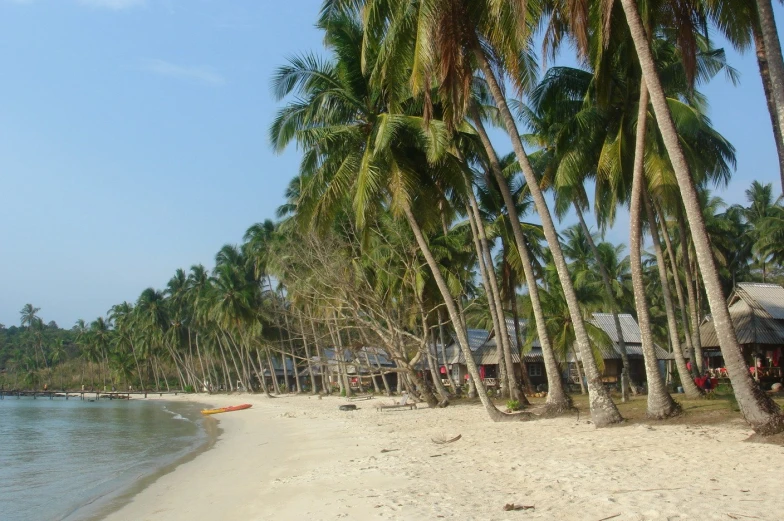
(444, 441)
(512, 506)
(609, 517)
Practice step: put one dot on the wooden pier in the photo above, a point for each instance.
(82, 395)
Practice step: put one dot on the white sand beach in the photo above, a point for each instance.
(298, 457)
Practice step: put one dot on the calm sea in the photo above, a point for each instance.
(70, 460)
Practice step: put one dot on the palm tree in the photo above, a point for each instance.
(758, 409)
(770, 37)
(350, 141)
(451, 34)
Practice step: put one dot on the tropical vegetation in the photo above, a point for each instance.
(405, 225)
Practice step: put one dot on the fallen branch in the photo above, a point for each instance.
(609, 517)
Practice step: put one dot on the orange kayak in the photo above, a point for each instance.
(227, 409)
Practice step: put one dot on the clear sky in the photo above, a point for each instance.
(133, 140)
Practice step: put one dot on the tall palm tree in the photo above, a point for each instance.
(451, 43)
(353, 145)
(775, 62)
(758, 409)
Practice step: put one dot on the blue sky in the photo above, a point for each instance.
(133, 140)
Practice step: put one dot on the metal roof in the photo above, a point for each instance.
(753, 325)
(629, 328)
(769, 297)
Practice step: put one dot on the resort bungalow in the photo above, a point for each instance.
(611, 353)
(360, 365)
(487, 355)
(757, 313)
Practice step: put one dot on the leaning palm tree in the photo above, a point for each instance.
(359, 142)
(450, 40)
(758, 409)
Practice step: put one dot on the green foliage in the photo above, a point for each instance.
(189, 389)
(512, 405)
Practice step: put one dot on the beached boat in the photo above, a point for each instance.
(227, 409)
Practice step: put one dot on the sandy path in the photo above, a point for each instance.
(301, 458)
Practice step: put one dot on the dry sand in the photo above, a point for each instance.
(300, 458)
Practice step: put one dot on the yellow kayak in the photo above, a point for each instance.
(227, 409)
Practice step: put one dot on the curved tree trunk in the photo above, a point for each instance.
(613, 304)
(557, 399)
(455, 387)
(487, 270)
(313, 386)
(767, 87)
(460, 331)
(676, 280)
(524, 376)
(695, 354)
(603, 410)
(775, 63)
(758, 409)
(689, 387)
(660, 403)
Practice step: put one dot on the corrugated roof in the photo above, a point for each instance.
(523, 332)
(753, 325)
(769, 297)
(629, 328)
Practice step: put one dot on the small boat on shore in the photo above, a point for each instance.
(227, 409)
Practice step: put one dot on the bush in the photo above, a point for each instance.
(512, 405)
(189, 389)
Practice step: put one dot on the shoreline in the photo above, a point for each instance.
(101, 507)
(298, 457)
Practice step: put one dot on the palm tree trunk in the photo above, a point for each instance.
(660, 403)
(138, 368)
(579, 371)
(519, 337)
(626, 378)
(676, 279)
(325, 384)
(603, 410)
(455, 387)
(695, 354)
(758, 409)
(275, 385)
(767, 87)
(313, 387)
(293, 357)
(772, 52)
(687, 382)
(262, 378)
(439, 385)
(493, 295)
(492, 411)
(557, 399)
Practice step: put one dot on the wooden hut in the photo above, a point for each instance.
(757, 313)
(611, 353)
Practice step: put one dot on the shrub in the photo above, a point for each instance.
(512, 405)
(189, 389)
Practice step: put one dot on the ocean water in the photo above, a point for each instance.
(65, 460)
